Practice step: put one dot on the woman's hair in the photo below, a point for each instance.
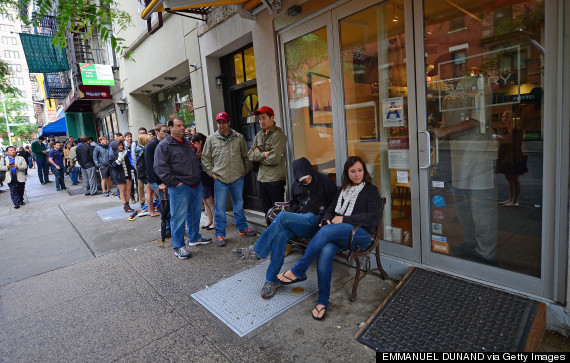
(349, 163)
(144, 139)
(199, 137)
(101, 138)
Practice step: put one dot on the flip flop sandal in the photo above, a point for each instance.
(319, 312)
(289, 281)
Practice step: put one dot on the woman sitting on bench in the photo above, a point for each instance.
(356, 203)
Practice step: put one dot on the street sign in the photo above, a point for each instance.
(97, 74)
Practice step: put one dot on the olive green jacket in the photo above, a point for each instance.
(226, 158)
(274, 166)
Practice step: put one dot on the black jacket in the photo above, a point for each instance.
(367, 210)
(314, 197)
(149, 162)
(85, 156)
(117, 171)
(175, 162)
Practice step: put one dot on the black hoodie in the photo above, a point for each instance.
(314, 197)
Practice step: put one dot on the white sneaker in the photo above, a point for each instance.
(201, 241)
(181, 253)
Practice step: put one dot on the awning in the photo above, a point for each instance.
(57, 128)
(177, 5)
(41, 55)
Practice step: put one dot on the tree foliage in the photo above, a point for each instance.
(24, 131)
(87, 18)
(5, 85)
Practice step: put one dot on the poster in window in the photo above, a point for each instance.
(393, 111)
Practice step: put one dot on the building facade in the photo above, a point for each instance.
(460, 113)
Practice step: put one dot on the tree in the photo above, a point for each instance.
(5, 85)
(101, 17)
(25, 131)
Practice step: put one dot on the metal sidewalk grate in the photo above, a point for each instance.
(111, 214)
(77, 191)
(237, 300)
(434, 312)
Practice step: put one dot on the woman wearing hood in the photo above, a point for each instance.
(312, 192)
(121, 172)
(101, 160)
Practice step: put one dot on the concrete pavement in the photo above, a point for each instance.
(75, 288)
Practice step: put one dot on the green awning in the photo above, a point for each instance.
(41, 55)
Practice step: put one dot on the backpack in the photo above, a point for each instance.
(141, 168)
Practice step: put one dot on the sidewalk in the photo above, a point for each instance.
(75, 288)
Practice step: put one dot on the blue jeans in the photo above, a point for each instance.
(59, 178)
(74, 176)
(285, 227)
(325, 244)
(185, 208)
(220, 196)
(43, 169)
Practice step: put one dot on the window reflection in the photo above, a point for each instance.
(309, 90)
(375, 93)
(484, 98)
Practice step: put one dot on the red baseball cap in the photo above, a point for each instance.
(264, 109)
(223, 116)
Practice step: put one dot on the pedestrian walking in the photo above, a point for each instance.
(14, 166)
(176, 164)
(39, 150)
(268, 149)
(225, 160)
(56, 160)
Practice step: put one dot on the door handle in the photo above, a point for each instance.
(426, 147)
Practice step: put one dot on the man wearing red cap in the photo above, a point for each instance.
(268, 149)
(225, 159)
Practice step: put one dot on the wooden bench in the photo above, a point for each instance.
(356, 254)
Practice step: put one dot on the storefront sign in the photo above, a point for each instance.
(393, 112)
(96, 74)
(399, 153)
(94, 92)
(438, 201)
(502, 85)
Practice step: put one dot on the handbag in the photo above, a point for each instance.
(275, 210)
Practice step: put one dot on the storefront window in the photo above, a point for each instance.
(309, 90)
(177, 100)
(484, 99)
(375, 94)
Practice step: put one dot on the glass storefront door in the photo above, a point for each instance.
(444, 102)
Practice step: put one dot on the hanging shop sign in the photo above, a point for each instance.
(96, 74)
(94, 92)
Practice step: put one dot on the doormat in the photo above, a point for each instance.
(237, 300)
(111, 214)
(435, 312)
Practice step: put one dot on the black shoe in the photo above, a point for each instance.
(49, 181)
(22, 203)
(87, 194)
(43, 183)
(96, 193)
(16, 206)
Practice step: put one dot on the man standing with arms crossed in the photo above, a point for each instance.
(268, 149)
(40, 152)
(176, 164)
(225, 159)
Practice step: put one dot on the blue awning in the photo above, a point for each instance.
(57, 128)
